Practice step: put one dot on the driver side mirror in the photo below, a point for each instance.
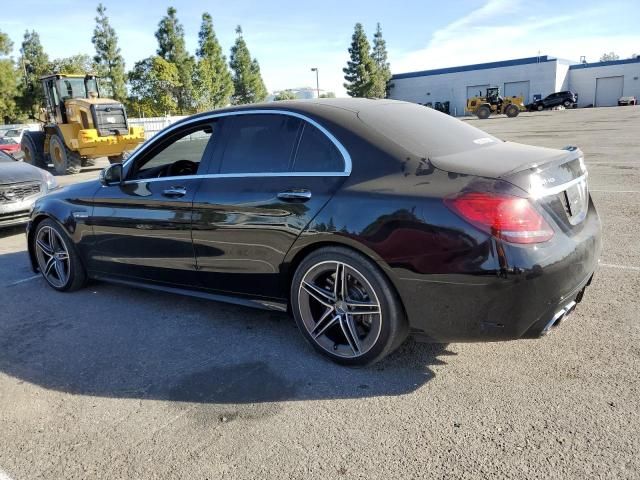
(112, 175)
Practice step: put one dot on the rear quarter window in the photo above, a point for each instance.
(316, 153)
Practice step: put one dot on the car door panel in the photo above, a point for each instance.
(243, 228)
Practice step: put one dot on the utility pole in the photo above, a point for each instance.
(315, 69)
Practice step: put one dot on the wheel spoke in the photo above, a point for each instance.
(44, 248)
(363, 308)
(62, 255)
(323, 325)
(49, 265)
(321, 295)
(350, 333)
(60, 271)
(340, 282)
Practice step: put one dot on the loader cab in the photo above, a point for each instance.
(60, 88)
(493, 95)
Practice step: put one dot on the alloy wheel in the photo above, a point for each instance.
(52, 256)
(339, 309)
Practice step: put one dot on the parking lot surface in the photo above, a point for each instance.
(112, 382)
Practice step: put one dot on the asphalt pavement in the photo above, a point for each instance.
(113, 382)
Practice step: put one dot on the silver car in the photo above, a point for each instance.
(21, 185)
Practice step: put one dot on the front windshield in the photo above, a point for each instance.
(76, 88)
(12, 133)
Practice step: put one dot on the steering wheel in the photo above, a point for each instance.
(182, 167)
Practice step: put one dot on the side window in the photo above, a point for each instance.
(316, 153)
(180, 154)
(260, 143)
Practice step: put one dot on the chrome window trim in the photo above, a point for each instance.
(343, 151)
(238, 175)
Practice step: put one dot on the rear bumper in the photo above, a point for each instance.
(91, 144)
(515, 296)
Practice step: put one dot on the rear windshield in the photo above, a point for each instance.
(424, 131)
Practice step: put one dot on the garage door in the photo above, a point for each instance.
(517, 89)
(608, 91)
(473, 90)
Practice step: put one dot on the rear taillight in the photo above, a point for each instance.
(511, 218)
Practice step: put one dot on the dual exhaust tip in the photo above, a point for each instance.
(559, 316)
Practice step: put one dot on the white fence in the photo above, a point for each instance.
(152, 125)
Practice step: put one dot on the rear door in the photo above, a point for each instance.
(142, 228)
(275, 173)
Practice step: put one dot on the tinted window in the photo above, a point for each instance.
(188, 145)
(317, 153)
(259, 143)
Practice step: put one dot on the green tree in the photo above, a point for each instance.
(607, 57)
(285, 95)
(247, 80)
(153, 82)
(80, 64)
(8, 80)
(360, 72)
(328, 95)
(383, 70)
(108, 58)
(33, 63)
(171, 47)
(213, 82)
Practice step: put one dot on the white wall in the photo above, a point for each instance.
(583, 80)
(452, 87)
(562, 76)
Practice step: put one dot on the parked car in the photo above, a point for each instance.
(623, 101)
(21, 185)
(9, 146)
(368, 220)
(15, 134)
(566, 99)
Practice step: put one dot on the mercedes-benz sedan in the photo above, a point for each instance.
(369, 220)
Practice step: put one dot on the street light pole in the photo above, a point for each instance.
(315, 69)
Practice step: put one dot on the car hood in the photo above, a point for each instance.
(15, 172)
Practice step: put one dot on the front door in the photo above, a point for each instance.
(142, 227)
(274, 176)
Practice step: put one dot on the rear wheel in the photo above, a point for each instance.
(511, 111)
(346, 308)
(32, 145)
(58, 261)
(65, 161)
(483, 112)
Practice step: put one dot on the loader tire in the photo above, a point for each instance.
(65, 161)
(483, 112)
(32, 145)
(511, 111)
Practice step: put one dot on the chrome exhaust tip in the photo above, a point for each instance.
(558, 317)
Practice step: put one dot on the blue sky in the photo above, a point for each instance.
(288, 38)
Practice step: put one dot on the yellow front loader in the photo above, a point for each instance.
(79, 126)
(492, 103)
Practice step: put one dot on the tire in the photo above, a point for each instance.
(62, 275)
(65, 161)
(32, 145)
(116, 158)
(88, 162)
(567, 104)
(483, 112)
(323, 317)
(511, 111)
(540, 108)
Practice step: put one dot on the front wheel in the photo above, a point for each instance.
(57, 259)
(483, 112)
(540, 108)
(346, 308)
(65, 161)
(511, 111)
(567, 104)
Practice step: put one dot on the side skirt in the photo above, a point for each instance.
(262, 304)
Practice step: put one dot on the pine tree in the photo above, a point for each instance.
(213, 81)
(108, 59)
(171, 47)
(247, 80)
(154, 83)
(361, 69)
(383, 70)
(34, 63)
(8, 82)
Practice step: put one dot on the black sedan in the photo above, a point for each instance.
(368, 220)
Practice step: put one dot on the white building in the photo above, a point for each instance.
(598, 84)
(302, 93)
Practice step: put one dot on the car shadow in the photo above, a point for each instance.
(11, 231)
(111, 341)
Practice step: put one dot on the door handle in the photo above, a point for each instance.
(295, 195)
(175, 192)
